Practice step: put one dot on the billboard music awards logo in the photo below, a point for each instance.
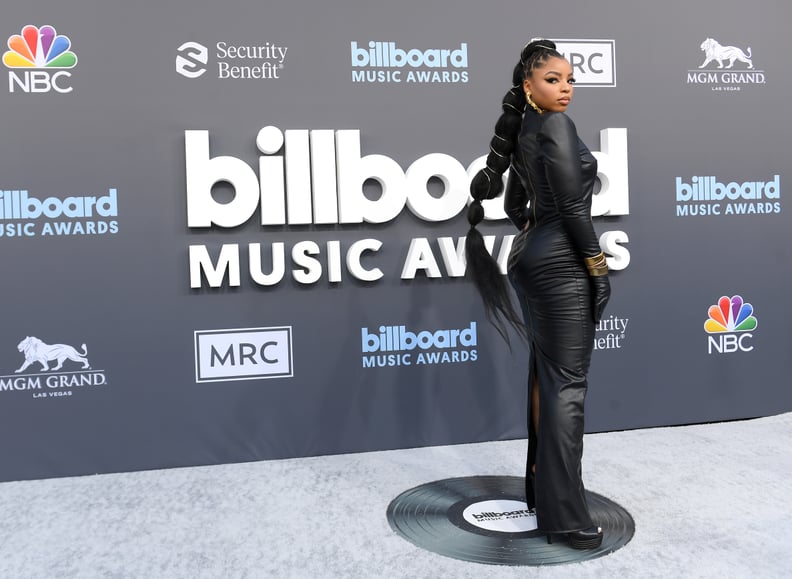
(51, 370)
(610, 333)
(39, 60)
(501, 515)
(706, 195)
(593, 61)
(725, 68)
(320, 177)
(261, 61)
(383, 62)
(729, 325)
(25, 215)
(243, 354)
(398, 346)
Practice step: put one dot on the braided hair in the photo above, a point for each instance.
(482, 268)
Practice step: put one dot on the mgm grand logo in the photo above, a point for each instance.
(36, 375)
(718, 70)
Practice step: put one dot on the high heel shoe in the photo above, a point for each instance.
(590, 538)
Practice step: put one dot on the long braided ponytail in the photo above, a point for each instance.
(482, 268)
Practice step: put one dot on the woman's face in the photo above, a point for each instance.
(551, 84)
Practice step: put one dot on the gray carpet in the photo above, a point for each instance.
(708, 501)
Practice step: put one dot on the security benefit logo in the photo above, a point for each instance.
(257, 60)
(39, 61)
(399, 346)
(726, 68)
(701, 196)
(191, 59)
(387, 62)
(52, 370)
(611, 332)
(593, 61)
(23, 214)
(729, 325)
(243, 354)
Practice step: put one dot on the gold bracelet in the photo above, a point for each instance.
(597, 265)
(598, 271)
(593, 261)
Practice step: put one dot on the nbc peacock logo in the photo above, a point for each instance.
(39, 60)
(730, 323)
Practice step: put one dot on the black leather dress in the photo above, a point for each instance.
(554, 172)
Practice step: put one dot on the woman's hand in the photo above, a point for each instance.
(602, 291)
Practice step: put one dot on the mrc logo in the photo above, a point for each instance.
(243, 354)
(593, 61)
(39, 60)
(729, 325)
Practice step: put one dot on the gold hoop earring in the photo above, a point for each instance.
(532, 104)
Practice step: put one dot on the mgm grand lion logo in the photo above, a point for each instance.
(37, 351)
(715, 51)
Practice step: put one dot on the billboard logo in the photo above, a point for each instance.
(501, 516)
(321, 173)
(191, 59)
(243, 354)
(705, 195)
(729, 324)
(39, 59)
(718, 72)
(381, 62)
(25, 215)
(395, 346)
(593, 61)
(321, 177)
(71, 370)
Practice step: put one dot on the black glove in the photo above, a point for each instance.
(602, 291)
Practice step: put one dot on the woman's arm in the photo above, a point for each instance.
(515, 200)
(558, 141)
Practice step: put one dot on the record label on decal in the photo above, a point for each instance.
(504, 516)
(485, 519)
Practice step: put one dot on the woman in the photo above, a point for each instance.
(558, 272)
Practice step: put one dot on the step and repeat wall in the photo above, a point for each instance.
(234, 231)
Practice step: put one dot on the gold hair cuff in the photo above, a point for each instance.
(597, 265)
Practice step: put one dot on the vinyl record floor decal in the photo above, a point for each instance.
(485, 519)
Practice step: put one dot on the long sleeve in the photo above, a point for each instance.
(515, 200)
(558, 142)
